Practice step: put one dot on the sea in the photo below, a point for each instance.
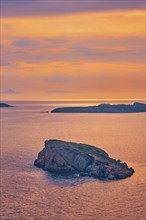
(29, 193)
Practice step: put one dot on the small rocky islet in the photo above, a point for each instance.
(65, 158)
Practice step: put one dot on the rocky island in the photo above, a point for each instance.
(4, 105)
(62, 157)
(104, 108)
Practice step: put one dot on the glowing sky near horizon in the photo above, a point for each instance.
(75, 51)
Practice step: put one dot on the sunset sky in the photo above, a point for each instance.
(72, 50)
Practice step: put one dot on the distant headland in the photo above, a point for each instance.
(4, 105)
(62, 157)
(104, 108)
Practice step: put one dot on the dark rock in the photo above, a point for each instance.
(71, 158)
(104, 108)
(44, 112)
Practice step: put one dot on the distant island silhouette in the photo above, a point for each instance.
(5, 105)
(104, 108)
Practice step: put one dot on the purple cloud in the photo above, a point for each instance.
(9, 92)
(4, 63)
(37, 8)
(56, 40)
(25, 43)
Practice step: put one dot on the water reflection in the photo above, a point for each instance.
(67, 180)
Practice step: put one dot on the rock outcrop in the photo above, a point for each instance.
(4, 105)
(71, 158)
(104, 108)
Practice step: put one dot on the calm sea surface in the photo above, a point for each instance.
(30, 193)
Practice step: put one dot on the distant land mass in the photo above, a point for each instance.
(104, 108)
(66, 158)
(4, 105)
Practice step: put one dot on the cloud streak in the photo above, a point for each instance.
(59, 92)
(9, 92)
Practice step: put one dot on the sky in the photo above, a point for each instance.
(72, 49)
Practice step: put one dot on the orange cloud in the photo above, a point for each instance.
(81, 71)
(112, 23)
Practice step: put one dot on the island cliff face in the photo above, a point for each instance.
(104, 108)
(71, 158)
